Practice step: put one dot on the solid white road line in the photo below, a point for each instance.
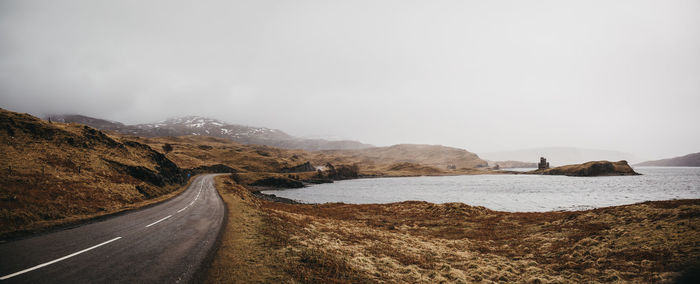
(195, 199)
(56, 260)
(156, 222)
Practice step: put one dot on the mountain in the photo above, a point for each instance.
(559, 155)
(690, 160)
(202, 126)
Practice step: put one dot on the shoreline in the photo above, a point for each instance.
(257, 192)
(422, 242)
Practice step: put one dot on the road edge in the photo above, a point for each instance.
(200, 275)
(23, 234)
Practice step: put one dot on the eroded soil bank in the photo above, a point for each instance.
(429, 243)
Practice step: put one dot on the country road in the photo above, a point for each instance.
(166, 243)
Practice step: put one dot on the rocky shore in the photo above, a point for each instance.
(274, 198)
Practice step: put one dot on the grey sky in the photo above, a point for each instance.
(481, 75)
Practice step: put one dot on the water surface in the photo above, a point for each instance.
(512, 192)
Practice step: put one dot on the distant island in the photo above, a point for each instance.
(589, 169)
(690, 160)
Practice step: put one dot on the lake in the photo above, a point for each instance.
(514, 193)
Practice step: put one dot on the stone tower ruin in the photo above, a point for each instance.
(543, 165)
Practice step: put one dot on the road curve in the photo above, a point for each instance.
(166, 243)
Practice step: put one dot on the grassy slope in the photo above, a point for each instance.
(411, 242)
(54, 173)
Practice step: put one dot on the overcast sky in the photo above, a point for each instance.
(480, 75)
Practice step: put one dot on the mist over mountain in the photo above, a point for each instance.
(559, 156)
(197, 125)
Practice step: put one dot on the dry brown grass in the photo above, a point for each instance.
(55, 173)
(247, 253)
(424, 242)
(195, 151)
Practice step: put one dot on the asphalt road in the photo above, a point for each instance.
(166, 243)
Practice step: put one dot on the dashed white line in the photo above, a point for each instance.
(98, 245)
(57, 260)
(156, 222)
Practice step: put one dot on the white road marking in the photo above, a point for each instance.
(56, 260)
(156, 222)
(195, 198)
(201, 184)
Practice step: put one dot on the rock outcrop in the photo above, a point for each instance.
(305, 167)
(278, 182)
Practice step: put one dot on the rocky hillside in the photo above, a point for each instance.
(690, 160)
(589, 169)
(202, 126)
(55, 172)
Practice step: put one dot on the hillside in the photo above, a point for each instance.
(436, 156)
(202, 126)
(54, 172)
(256, 161)
(558, 156)
(690, 160)
(589, 169)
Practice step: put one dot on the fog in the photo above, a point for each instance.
(485, 76)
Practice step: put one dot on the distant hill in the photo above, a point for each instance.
(558, 156)
(690, 160)
(431, 155)
(202, 126)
